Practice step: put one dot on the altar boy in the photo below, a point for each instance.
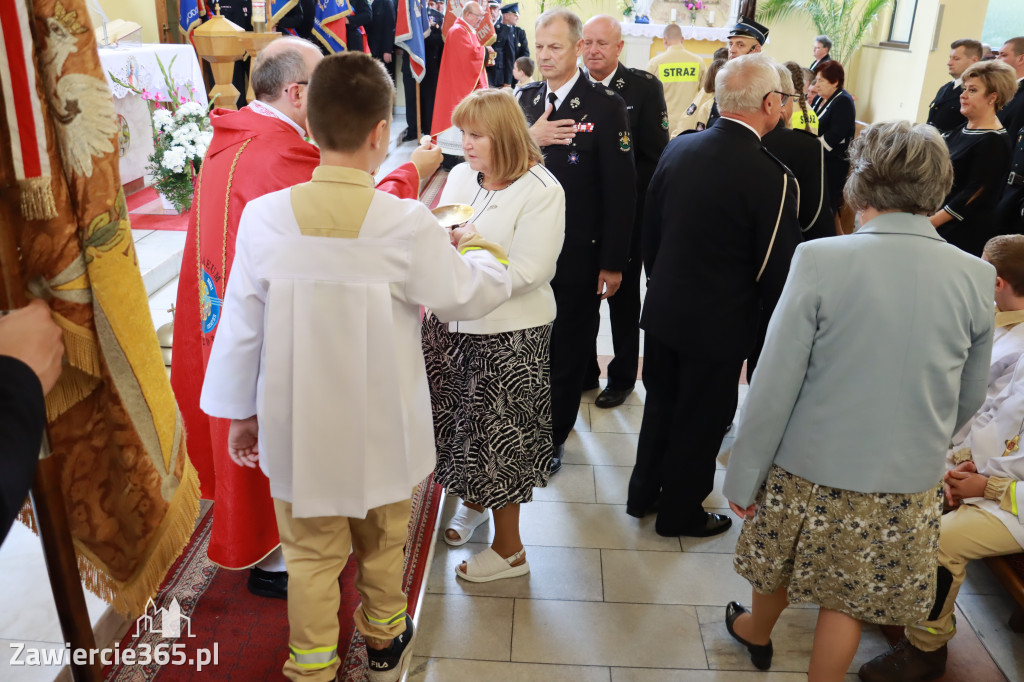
(318, 364)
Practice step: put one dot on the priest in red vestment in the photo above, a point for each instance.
(254, 151)
(462, 72)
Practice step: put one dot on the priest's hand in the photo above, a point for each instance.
(546, 133)
(243, 445)
(426, 158)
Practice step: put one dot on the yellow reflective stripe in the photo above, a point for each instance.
(1013, 498)
(389, 621)
(313, 659)
(503, 261)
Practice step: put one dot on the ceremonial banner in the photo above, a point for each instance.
(329, 24)
(131, 494)
(189, 13)
(452, 11)
(279, 8)
(410, 25)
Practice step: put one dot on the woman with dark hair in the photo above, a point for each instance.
(980, 152)
(837, 116)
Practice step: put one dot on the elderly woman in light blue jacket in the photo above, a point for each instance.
(877, 353)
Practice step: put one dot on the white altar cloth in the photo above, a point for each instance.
(719, 33)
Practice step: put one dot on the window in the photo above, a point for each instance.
(902, 22)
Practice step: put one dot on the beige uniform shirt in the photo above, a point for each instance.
(681, 72)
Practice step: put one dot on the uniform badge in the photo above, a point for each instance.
(574, 103)
(664, 120)
(536, 99)
(689, 112)
(608, 91)
(1012, 445)
(625, 143)
(574, 158)
(648, 75)
(209, 303)
(619, 84)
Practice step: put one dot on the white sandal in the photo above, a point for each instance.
(464, 522)
(488, 565)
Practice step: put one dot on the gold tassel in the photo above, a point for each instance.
(73, 387)
(129, 598)
(37, 199)
(81, 347)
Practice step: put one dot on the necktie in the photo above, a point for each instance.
(553, 98)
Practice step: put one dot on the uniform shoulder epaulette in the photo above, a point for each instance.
(531, 86)
(641, 73)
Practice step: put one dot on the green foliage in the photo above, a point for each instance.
(846, 22)
(551, 4)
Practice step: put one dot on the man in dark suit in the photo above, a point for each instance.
(583, 131)
(381, 33)
(648, 123)
(31, 350)
(518, 45)
(433, 47)
(944, 111)
(821, 49)
(1010, 210)
(361, 18)
(497, 76)
(716, 255)
(1012, 115)
(746, 37)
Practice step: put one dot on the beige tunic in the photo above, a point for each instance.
(681, 73)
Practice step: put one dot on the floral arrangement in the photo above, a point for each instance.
(181, 135)
(627, 7)
(694, 6)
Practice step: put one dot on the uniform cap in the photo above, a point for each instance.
(510, 7)
(750, 29)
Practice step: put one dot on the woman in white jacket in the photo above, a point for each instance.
(490, 381)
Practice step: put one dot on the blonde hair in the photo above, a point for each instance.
(496, 114)
(995, 76)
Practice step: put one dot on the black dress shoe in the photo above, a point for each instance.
(612, 397)
(760, 654)
(556, 461)
(713, 525)
(273, 584)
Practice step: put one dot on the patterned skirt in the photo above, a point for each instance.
(872, 556)
(491, 398)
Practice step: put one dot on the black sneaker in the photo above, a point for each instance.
(388, 664)
(273, 584)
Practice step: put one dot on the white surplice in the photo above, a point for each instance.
(320, 338)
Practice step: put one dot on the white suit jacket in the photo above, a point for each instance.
(320, 338)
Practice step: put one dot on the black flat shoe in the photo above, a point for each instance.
(612, 397)
(273, 584)
(760, 654)
(556, 461)
(713, 525)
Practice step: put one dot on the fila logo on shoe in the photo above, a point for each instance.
(378, 664)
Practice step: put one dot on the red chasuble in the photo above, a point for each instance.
(462, 72)
(250, 155)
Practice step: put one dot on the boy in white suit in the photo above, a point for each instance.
(319, 365)
(986, 470)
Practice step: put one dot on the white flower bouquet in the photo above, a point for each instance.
(181, 135)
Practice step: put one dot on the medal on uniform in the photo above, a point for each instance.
(575, 102)
(1012, 445)
(664, 120)
(624, 142)
(619, 84)
(574, 158)
(536, 99)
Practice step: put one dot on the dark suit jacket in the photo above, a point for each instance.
(804, 155)
(648, 119)
(361, 16)
(837, 123)
(501, 73)
(1012, 115)
(815, 63)
(381, 31)
(520, 45)
(597, 174)
(22, 419)
(716, 253)
(944, 111)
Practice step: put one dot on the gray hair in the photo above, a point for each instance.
(825, 41)
(741, 85)
(275, 69)
(570, 18)
(899, 166)
(785, 78)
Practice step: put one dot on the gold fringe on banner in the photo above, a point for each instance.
(73, 386)
(37, 199)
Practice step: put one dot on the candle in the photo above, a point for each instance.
(673, 14)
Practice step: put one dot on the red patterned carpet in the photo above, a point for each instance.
(146, 211)
(251, 633)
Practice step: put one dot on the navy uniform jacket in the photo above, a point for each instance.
(1012, 115)
(361, 16)
(597, 173)
(22, 419)
(520, 44)
(1011, 207)
(804, 155)
(648, 119)
(944, 111)
(434, 43)
(381, 32)
(717, 253)
(501, 73)
(514, 48)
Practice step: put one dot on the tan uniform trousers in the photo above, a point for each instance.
(966, 534)
(315, 552)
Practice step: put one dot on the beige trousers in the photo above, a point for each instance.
(315, 552)
(967, 533)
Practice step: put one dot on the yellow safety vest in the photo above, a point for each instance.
(801, 122)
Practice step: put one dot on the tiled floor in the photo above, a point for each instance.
(607, 599)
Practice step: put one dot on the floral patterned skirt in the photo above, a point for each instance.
(872, 556)
(491, 399)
